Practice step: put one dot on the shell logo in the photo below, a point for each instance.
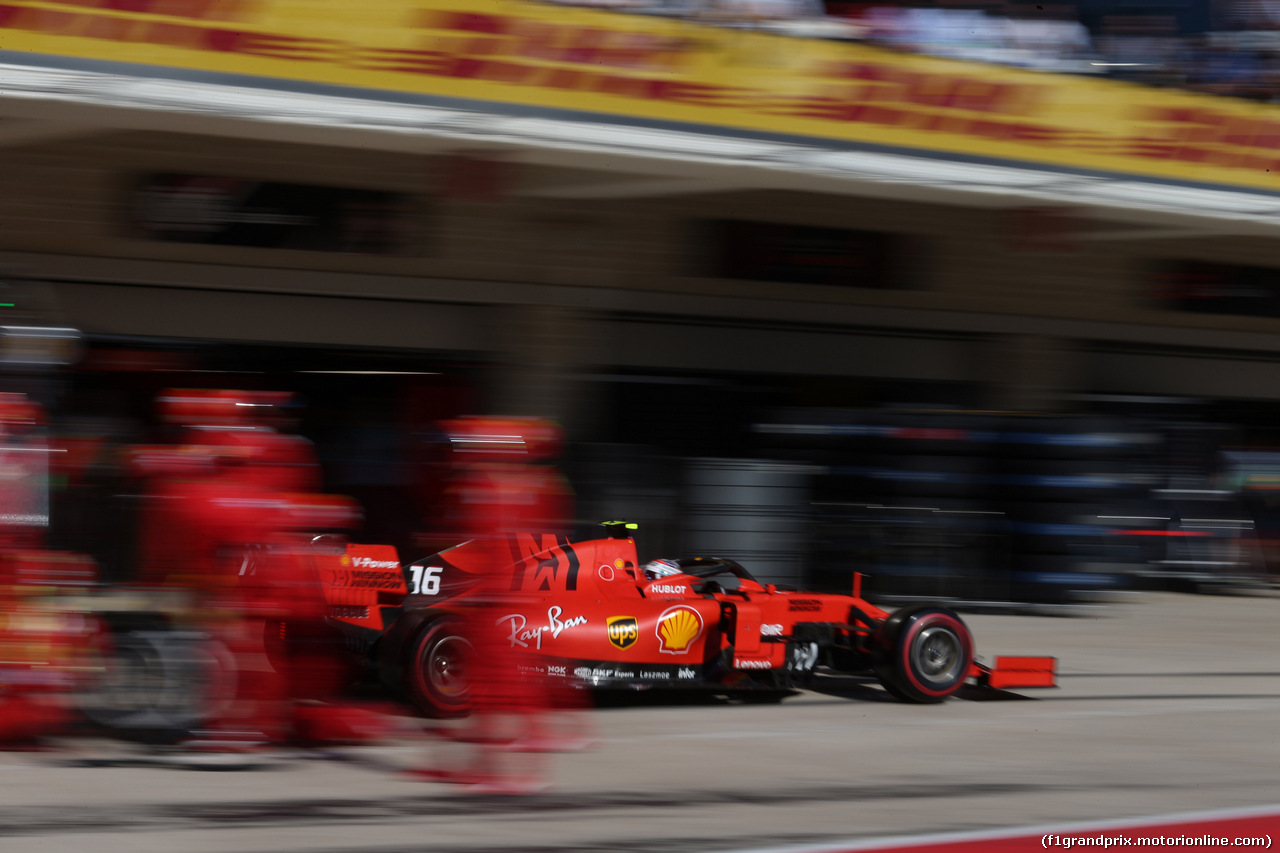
(345, 560)
(677, 628)
(619, 563)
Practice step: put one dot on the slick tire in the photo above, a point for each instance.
(437, 669)
(158, 686)
(923, 654)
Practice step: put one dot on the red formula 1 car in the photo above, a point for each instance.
(591, 616)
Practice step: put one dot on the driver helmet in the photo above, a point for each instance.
(655, 569)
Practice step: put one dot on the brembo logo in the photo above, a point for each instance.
(623, 630)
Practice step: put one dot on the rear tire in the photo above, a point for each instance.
(923, 654)
(438, 666)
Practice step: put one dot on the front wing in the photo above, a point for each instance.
(1017, 672)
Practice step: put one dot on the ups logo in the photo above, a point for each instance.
(623, 630)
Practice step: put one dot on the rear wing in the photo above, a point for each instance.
(1017, 672)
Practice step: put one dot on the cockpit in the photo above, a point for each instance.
(705, 575)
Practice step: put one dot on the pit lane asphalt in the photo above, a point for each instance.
(1167, 703)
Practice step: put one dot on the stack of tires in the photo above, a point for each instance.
(750, 510)
(977, 507)
(930, 476)
(631, 482)
(904, 499)
(1059, 482)
(832, 444)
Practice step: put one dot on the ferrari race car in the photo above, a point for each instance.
(588, 613)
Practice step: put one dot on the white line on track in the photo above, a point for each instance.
(1155, 821)
(1240, 704)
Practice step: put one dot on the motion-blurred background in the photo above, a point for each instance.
(979, 299)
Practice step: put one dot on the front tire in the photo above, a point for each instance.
(923, 654)
(438, 669)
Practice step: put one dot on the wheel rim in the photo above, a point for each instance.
(446, 667)
(938, 655)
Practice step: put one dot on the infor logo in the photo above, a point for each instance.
(623, 630)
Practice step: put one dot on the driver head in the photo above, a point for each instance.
(660, 569)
